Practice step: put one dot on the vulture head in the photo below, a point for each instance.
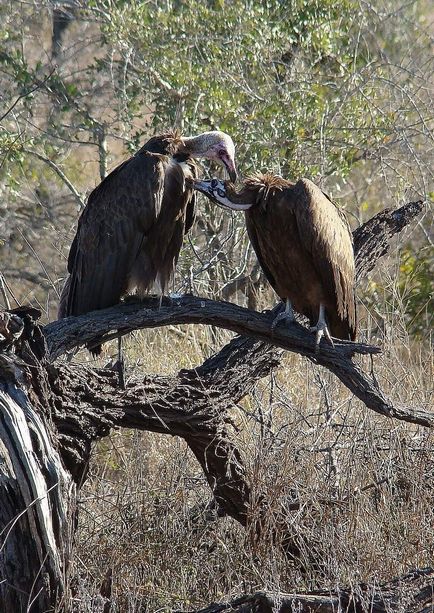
(224, 194)
(216, 146)
(255, 191)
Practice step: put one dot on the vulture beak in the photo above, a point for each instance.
(204, 187)
(229, 164)
(215, 190)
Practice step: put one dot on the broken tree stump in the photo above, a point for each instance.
(52, 413)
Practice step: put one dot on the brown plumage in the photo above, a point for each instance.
(130, 233)
(303, 243)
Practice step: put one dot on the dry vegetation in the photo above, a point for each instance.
(355, 489)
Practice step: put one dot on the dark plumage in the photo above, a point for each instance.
(303, 243)
(130, 233)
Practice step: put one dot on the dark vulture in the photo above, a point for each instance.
(130, 233)
(303, 244)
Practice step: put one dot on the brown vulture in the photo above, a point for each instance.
(303, 244)
(130, 233)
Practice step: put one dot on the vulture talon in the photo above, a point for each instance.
(286, 315)
(321, 330)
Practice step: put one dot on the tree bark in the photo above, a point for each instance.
(37, 498)
(52, 413)
(412, 593)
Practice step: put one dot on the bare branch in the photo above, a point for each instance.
(67, 334)
(38, 85)
(372, 239)
(413, 591)
(59, 173)
(3, 291)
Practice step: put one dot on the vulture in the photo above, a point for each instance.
(304, 246)
(131, 230)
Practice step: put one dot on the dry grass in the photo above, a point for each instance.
(363, 483)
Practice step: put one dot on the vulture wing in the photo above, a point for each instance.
(326, 235)
(253, 236)
(111, 229)
(190, 211)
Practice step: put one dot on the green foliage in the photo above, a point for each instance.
(408, 294)
(330, 89)
(300, 84)
(278, 76)
(416, 290)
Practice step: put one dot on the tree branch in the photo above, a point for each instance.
(370, 242)
(67, 334)
(29, 91)
(59, 173)
(372, 239)
(192, 405)
(84, 404)
(414, 593)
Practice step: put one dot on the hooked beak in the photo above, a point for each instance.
(218, 196)
(232, 171)
(229, 164)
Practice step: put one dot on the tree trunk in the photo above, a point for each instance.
(38, 495)
(52, 413)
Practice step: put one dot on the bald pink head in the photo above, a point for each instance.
(216, 146)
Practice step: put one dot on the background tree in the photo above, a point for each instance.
(337, 91)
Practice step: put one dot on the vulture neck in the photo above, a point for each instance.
(195, 146)
(241, 201)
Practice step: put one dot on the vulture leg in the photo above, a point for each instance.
(120, 364)
(287, 315)
(321, 329)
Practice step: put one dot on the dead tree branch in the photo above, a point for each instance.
(67, 334)
(192, 405)
(51, 413)
(412, 593)
(372, 239)
(370, 242)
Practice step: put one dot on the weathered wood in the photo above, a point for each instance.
(51, 413)
(189, 309)
(372, 239)
(37, 501)
(192, 405)
(152, 312)
(412, 593)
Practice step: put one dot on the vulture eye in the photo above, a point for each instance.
(214, 183)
